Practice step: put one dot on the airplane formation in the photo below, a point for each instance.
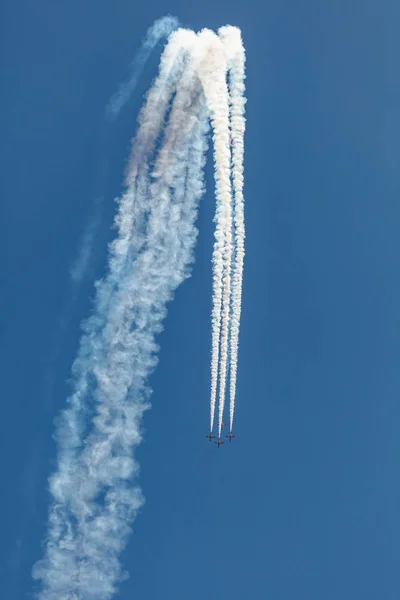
(219, 442)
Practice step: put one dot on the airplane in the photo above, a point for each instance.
(209, 436)
(218, 443)
(230, 436)
(223, 424)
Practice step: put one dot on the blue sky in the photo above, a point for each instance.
(305, 502)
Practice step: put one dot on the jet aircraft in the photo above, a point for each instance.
(218, 443)
(210, 436)
(230, 436)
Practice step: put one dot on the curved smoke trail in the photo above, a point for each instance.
(94, 497)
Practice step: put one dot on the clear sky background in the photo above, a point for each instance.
(305, 503)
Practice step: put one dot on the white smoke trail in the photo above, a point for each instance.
(94, 498)
(231, 37)
(212, 74)
(160, 29)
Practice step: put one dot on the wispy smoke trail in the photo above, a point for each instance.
(79, 268)
(94, 494)
(160, 29)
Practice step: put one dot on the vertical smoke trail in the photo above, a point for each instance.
(212, 73)
(231, 37)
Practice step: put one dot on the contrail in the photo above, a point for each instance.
(231, 37)
(160, 29)
(94, 494)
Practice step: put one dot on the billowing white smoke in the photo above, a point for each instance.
(94, 497)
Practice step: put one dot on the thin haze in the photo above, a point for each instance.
(161, 28)
(94, 494)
